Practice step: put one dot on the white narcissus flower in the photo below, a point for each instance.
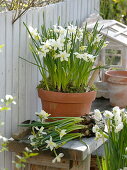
(41, 130)
(2, 100)
(62, 133)
(97, 115)
(47, 45)
(98, 135)
(3, 139)
(119, 127)
(7, 97)
(116, 110)
(55, 28)
(91, 57)
(72, 29)
(62, 31)
(108, 114)
(51, 144)
(58, 158)
(34, 33)
(95, 129)
(43, 114)
(31, 137)
(63, 56)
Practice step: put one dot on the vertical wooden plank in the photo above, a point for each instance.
(63, 14)
(34, 72)
(55, 16)
(89, 2)
(79, 12)
(2, 77)
(28, 69)
(8, 77)
(22, 70)
(97, 6)
(67, 11)
(59, 5)
(15, 84)
(75, 12)
(84, 9)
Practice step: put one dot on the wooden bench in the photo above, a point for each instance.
(77, 156)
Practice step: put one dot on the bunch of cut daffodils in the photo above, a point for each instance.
(115, 156)
(65, 56)
(52, 135)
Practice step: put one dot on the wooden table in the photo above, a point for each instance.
(77, 156)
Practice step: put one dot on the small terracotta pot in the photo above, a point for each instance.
(66, 104)
(117, 85)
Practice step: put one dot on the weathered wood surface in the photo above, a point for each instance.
(73, 150)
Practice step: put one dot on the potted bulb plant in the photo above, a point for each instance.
(65, 58)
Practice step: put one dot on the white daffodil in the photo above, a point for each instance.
(91, 57)
(116, 110)
(58, 158)
(62, 31)
(55, 28)
(72, 29)
(41, 130)
(2, 100)
(47, 45)
(63, 56)
(118, 119)
(34, 33)
(119, 127)
(57, 44)
(82, 48)
(62, 133)
(43, 114)
(14, 102)
(31, 137)
(108, 114)
(3, 139)
(51, 144)
(97, 115)
(8, 97)
(105, 44)
(95, 129)
(98, 135)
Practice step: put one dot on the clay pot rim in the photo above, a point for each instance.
(109, 73)
(116, 77)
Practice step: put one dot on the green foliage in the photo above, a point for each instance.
(114, 9)
(21, 160)
(54, 134)
(66, 56)
(115, 149)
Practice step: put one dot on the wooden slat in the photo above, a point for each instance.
(8, 76)
(2, 77)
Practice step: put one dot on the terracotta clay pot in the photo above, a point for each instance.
(117, 85)
(66, 104)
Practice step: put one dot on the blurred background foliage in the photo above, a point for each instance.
(114, 9)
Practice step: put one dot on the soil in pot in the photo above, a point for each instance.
(66, 104)
(117, 86)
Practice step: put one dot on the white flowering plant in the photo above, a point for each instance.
(115, 156)
(52, 135)
(65, 56)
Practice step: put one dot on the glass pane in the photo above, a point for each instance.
(113, 57)
(113, 60)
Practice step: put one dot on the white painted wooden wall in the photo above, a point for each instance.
(19, 78)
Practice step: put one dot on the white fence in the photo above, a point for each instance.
(19, 78)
